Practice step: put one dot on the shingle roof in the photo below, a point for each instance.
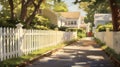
(72, 15)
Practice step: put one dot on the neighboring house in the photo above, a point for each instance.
(66, 19)
(70, 19)
(101, 19)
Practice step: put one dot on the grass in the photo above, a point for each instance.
(108, 50)
(17, 61)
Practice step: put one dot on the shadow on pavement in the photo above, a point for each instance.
(84, 53)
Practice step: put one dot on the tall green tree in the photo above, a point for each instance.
(92, 7)
(103, 6)
(60, 7)
(27, 9)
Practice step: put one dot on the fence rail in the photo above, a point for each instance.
(15, 42)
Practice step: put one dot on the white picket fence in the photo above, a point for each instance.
(15, 42)
(110, 38)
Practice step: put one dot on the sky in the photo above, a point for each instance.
(73, 8)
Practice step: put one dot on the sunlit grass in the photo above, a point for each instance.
(104, 47)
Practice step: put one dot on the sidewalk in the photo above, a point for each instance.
(84, 53)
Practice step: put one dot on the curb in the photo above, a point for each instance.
(115, 61)
(39, 57)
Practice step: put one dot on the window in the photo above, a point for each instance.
(75, 23)
(65, 23)
(72, 23)
(68, 22)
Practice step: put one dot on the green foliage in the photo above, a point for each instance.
(101, 28)
(81, 33)
(40, 27)
(5, 11)
(60, 7)
(94, 6)
(38, 22)
(8, 22)
(63, 28)
(42, 23)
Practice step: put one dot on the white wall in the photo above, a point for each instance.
(112, 39)
(101, 19)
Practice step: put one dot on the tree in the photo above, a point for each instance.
(24, 9)
(98, 6)
(11, 8)
(92, 7)
(60, 7)
(115, 8)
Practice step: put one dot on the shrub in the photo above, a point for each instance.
(72, 29)
(62, 28)
(81, 33)
(40, 27)
(52, 26)
(8, 22)
(101, 28)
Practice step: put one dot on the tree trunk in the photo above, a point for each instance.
(115, 17)
(31, 17)
(11, 9)
(23, 11)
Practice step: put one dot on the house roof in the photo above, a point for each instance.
(71, 15)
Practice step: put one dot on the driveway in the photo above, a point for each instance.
(84, 53)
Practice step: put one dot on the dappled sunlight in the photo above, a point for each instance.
(81, 63)
(95, 57)
(46, 59)
(95, 49)
(80, 52)
(77, 55)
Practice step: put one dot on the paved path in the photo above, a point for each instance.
(84, 53)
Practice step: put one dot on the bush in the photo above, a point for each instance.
(8, 22)
(63, 28)
(81, 33)
(40, 27)
(72, 29)
(101, 28)
(52, 26)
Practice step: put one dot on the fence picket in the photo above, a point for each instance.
(16, 42)
(1, 45)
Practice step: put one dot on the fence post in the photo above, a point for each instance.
(19, 38)
(107, 30)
